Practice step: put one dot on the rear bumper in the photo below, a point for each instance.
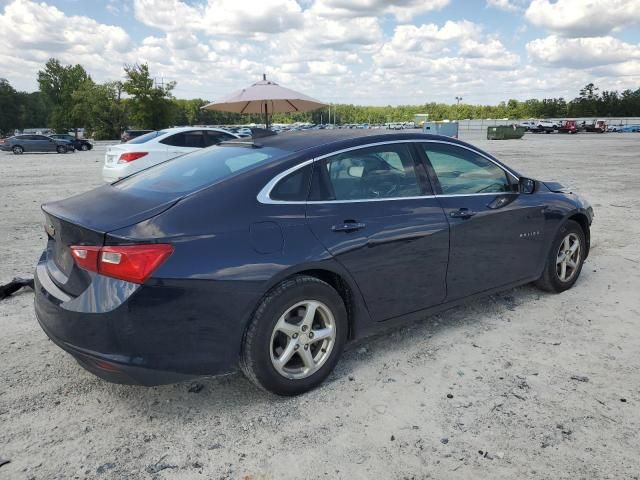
(114, 371)
(133, 334)
(111, 175)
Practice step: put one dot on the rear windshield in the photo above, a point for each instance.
(196, 170)
(147, 136)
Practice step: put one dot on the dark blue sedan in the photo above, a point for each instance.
(270, 254)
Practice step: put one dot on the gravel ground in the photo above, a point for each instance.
(522, 384)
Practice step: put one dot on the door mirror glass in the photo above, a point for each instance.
(527, 185)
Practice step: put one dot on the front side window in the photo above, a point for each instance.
(214, 138)
(461, 171)
(385, 171)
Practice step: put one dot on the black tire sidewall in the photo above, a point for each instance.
(270, 312)
(552, 275)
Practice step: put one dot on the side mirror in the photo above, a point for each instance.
(527, 185)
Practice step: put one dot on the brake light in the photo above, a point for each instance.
(131, 156)
(133, 263)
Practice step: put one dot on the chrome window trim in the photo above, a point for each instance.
(265, 198)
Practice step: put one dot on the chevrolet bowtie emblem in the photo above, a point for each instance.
(50, 229)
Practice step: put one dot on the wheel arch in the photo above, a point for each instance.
(357, 313)
(581, 219)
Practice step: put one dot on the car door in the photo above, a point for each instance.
(373, 210)
(40, 143)
(184, 142)
(496, 233)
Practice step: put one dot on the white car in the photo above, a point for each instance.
(155, 147)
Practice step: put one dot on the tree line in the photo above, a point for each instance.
(68, 99)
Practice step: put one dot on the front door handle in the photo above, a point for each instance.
(462, 213)
(348, 226)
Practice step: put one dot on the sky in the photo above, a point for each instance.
(373, 52)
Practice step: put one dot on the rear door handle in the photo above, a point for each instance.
(348, 226)
(462, 213)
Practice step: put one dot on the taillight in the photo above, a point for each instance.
(131, 156)
(133, 263)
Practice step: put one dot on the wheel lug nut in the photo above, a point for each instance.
(306, 347)
(310, 334)
(295, 335)
(304, 328)
(296, 347)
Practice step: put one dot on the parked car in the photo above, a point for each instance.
(568, 126)
(271, 255)
(78, 143)
(597, 126)
(528, 124)
(158, 146)
(35, 143)
(128, 135)
(615, 128)
(546, 126)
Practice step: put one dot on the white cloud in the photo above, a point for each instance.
(31, 33)
(584, 18)
(246, 18)
(336, 50)
(403, 10)
(507, 5)
(591, 51)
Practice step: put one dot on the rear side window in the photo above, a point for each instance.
(197, 170)
(294, 187)
(147, 136)
(194, 139)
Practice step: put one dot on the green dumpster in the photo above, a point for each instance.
(505, 132)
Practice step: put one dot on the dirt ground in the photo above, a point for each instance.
(523, 384)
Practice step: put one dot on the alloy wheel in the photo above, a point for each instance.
(302, 339)
(568, 258)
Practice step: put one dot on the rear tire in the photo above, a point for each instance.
(84, 147)
(296, 336)
(564, 260)
(17, 150)
(61, 149)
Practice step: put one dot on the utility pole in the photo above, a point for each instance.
(458, 100)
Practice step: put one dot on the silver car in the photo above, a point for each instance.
(35, 143)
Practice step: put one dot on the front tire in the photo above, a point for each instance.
(84, 147)
(17, 150)
(296, 336)
(565, 259)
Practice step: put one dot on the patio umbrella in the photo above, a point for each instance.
(265, 97)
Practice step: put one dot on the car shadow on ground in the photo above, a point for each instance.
(235, 392)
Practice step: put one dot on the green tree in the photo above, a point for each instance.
(57, 84)
(150, 105)
(9, 107)
(103, 108)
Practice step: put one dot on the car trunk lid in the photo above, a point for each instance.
(85, 219)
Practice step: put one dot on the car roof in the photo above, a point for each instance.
(189, 129)
(307, 139)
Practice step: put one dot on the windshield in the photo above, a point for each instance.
(147, 136)
(196, 170)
